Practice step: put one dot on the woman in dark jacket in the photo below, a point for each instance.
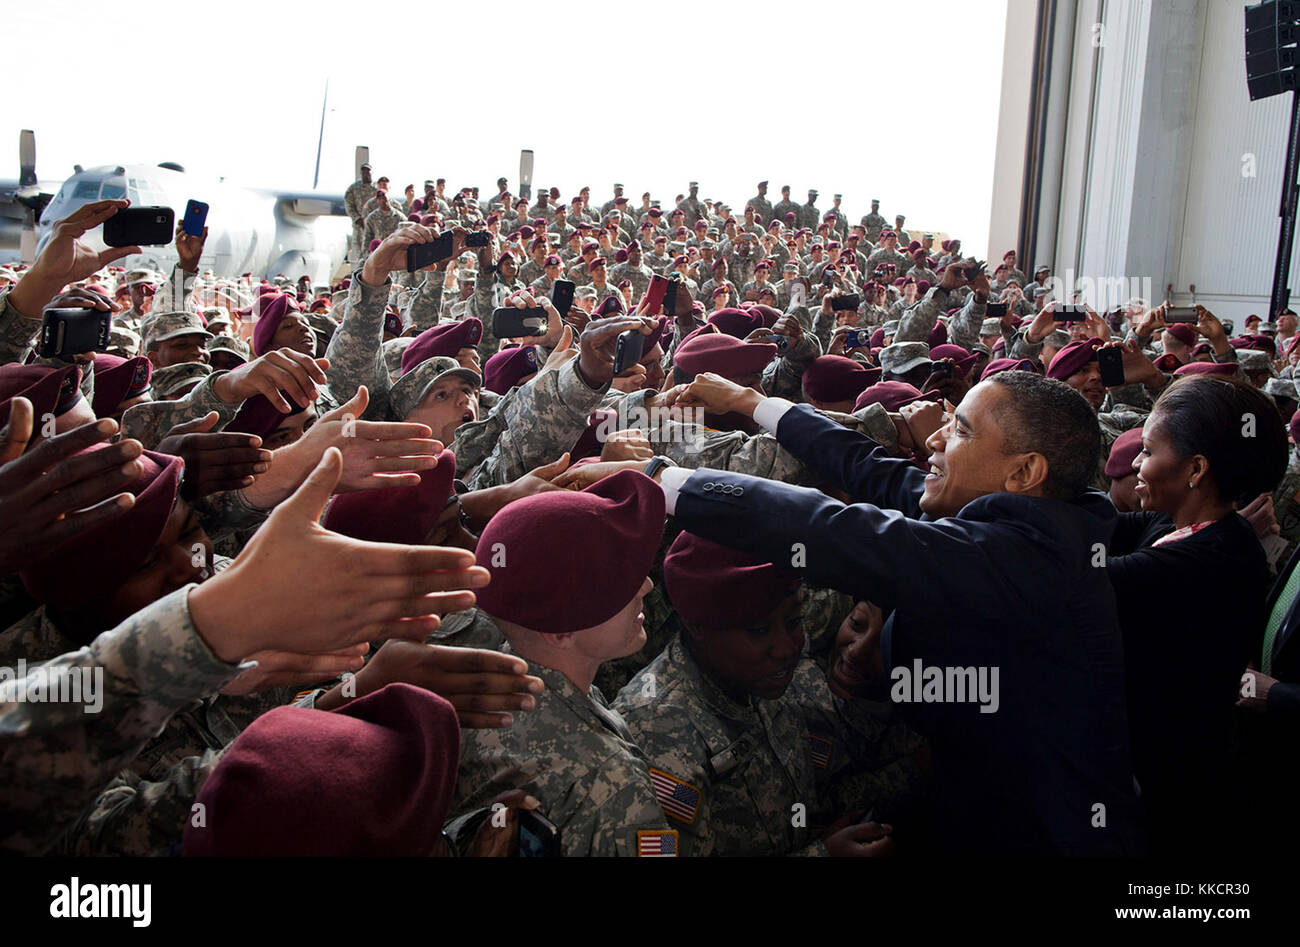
(1191, 597)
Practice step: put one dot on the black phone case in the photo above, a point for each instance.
(508, 323)
(140, 227)
(562, 296)
(628, 352)
(1110, 363)
(73, 331)
(420, 255)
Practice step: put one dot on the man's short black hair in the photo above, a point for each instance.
(1233, 425)
(1045, 416)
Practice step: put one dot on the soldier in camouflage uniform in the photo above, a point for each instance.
(381, 222)
(809, 215)
(573, 752)
(873, 223)
(735, 756)
(354, 199)
(633, 269)
(760, 203)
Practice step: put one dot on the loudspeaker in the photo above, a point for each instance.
(1272, 35)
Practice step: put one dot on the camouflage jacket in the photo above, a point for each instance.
(149, 421)
(57, 757)
(574, 755)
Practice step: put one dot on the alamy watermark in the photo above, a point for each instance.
(53, 684)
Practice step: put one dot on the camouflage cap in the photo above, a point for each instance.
(1254, 360)
(215, 315)
(123, 342)
(178, 379)
(132, 277)
(409, 390)
(585, 292)
(991, 327)
(902, 357)
(171, 325)
(322, 322)
(231, 344)
(1281, 388)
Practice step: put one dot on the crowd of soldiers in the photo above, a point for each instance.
(360, 577)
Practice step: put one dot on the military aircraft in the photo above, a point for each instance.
(257, 231)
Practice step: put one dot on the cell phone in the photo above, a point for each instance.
(857, 339)
(478, 238)
(74, 331)
(628, 350)
(1110, 361)
(196, 215)
(512, 323)
(655, 294)
(849, 303)
(1181, 314)
(1069, 313)
(782, 342)
(140, 227)
(995, 310)
(420, 255)
(670, 297)
(539, 837)
(562, 296)
(828, 277)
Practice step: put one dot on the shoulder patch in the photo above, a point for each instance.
(656, 843)
(679, 800)
(819, 749)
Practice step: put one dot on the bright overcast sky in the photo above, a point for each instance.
(235, 89)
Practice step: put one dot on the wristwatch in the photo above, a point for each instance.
(656, 464)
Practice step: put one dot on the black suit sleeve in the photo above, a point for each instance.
(852, 461)
(860, 549)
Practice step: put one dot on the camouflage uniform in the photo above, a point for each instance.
(874, 223)
(1286, 506)
(58, 758)
(575, 756)
(18, 332)
(379, 225)
(783, 207)
(762, 206)
(639, 275)
(354, 199)
(149, 421)
(809, 216)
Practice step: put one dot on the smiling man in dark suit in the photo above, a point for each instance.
(989, 566)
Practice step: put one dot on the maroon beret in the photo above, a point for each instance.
(374, 244)
(1205, 348)
(737, 322)
(610, 306)
(1122, 452)
(302, 782)
(404, 515)
(272, 313)
(1240, 342)
(590, 442)
(965, 359)
(938, 335)
(595, 262)
(1073, 358)
(713, 587)
(506, 368)
(505, 255)
(723, 354)
(657, 335)
(1168, 362)
(91, 566)
(1183, 332)
(769, 313)
(1010, 365)
(892, 394)
(877, 338)
(620, 255)
(117, 379)
(446, 338)
(393, 324)
(789, 217)
(50, 390)
(257, 415)
(836, 378)
(1207, 368)
(613, 529)
(526, 231)
(1294, 428)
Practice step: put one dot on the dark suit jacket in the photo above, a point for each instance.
(1008, 583)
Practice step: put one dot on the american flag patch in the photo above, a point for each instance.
(820, 750)
(656, 844)
(678, 799)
